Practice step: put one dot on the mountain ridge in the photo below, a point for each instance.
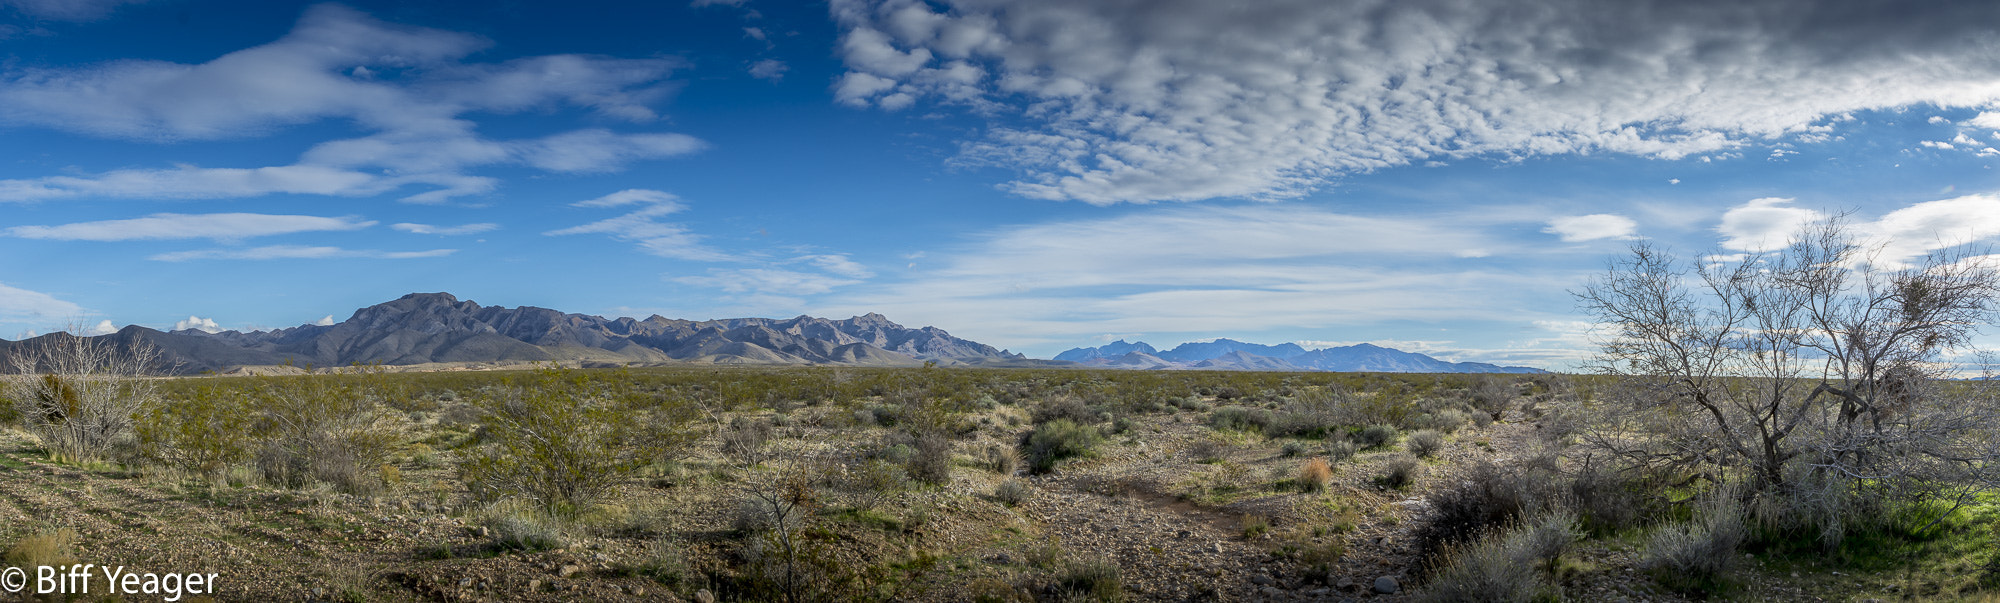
(1233, 355)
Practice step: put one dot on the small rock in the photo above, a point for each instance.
(465, 583)
(1183, 534)
(319, 592)
(1260, 580)
(1218, 547)
(1272, 592)
(569, 569)
(1346, 584)
(534, 585)
(1387, 585)
(638, 591)
(703, 596)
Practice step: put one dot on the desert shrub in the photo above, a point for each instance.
(1486, 497)
(1067, 407)
(562, 441)
(1238, 418)
(1012, 492)
(1255, 525)
(1057, 440)
(1697, 556)
(1091, 580)
(931, 463)
(1314, 475)
(1481, 419)
(522, 527)
(876, 481)
(203, 430)
(1448, 421)
(1340, 449)
(52, 548)
(1607, 501)
(1208, 451)
(1376, 436)
(323, 428)
(1492, 396)
(1003, 460)
(746, 440)
(1504, 566)
(1399, 470)
(79, 395)
(1424, 443)
(1292, 449)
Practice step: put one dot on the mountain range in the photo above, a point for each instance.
(1233, 355)
(439, 328)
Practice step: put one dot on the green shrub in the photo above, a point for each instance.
(1057, 440)
(563, 441)
(1505, 566)
(1376, 436)
(875, 482)
(202, 430)
(1697, 556)
(1340, 449)
(1093, 580)
(1424, 443)
(524, 528)
(324, 428)
(1399, 470)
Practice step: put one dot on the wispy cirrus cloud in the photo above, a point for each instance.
(328, 68)
(296, 252)
(426, 229)
(22, 305)
(1576, 229)
(1110, 101)
(645, 228)
(229, 226)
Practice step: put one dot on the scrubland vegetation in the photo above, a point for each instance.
(1766, 433)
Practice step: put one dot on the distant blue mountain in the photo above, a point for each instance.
(1114, 350)
(1232, 355)
(1199, 351)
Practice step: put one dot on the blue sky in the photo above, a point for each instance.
(1037, 174)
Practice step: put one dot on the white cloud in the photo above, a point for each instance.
(1574, 229)
(769, 69)
(767, 280)
(643, 226)
(702, 3)
(756, 33)
(66, 10)
(189, 226)
(296, 252)
(426, 229)
(205, 325)
(1763, 224)
(1939, 145)
(103, 327)
(1988, 119)
(1202, 269)
(324, 69)
(18, 304)
(838, 264)
(326, 321)
(1939, 119)
(1106, 102)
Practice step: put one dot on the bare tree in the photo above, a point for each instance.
(1817, 369)
(78, 394)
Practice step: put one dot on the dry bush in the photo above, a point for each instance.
(1057, 440)
(1012, 492)
(1340, 449)
(1004, 460)
(1399, 470)
(1068, 407)
(323, 428)
(932, 462)
(1506, 565)
(1493, 396)
(1376, 436)
(1697, 556)
(51, 548)
(1091, 580)
(1424, 443)
(875, 482)
(1485, 497)
(1314, 475)
(747, 440)
(78, 395)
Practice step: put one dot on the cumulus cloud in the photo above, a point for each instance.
(326, 321)
(1575, 229)
(189, 226)
(296, 252)
(644, 226)
(426, 229)
(103, 327)
(1109, 101)
(18, 304)
(324, 70)
(205, 325)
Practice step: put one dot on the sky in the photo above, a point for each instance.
(1431, 175)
